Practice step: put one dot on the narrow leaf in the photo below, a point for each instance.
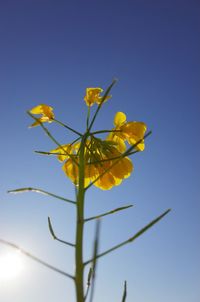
(47, 153)
(131, 239)
(88, 283)
(55, 237)
(89, 276)
(51, 267)
(30, 189)
(52, 137)
(51, 229)
(108, 213)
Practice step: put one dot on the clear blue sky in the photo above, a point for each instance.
(50, 52)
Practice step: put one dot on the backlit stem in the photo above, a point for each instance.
(79, 275)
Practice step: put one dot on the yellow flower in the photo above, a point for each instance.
(99, 156)
(120, 170)
(46, 113)
(63, 151)
(72, 171)
(93, 96)
(132, 132)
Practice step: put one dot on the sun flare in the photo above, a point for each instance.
(11, 265)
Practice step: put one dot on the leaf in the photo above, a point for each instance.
(108, 213)
(51, 229)
(37, 190)
(131, 239)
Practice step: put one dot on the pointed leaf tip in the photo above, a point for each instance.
(51, 228)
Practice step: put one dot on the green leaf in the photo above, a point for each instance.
(51, 229)
(108, 213)
(37, 190)
(131, 239)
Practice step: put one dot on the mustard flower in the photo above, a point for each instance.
(63, 152)
(102, 163)
(46, 113)
(132, 132)
(119, 170)
(93, 96)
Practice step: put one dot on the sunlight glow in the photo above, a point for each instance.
(11, 266)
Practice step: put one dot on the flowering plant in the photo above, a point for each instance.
(90, 160)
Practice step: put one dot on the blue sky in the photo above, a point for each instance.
(50, 52)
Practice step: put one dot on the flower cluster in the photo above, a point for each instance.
(106, 162)
(103, 163)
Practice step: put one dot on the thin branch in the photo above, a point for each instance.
(88, 283)
(110, 158)
(125, 292)
(137, 143)
(74, 141)
(89, 163)
(99, 107)
(88, 118)
(108, 213)
(55, 237)
(66, 126)
(52, 138)
(94, 261)
(55, 153)
(48, 153)
(105, 131)
(5, 242)
(29, 189)
(131, 239)
(92, 162)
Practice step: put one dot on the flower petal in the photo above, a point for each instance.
(100, 99)
(71, 170)
(134, 132)
(119, 142)
(123, 168)
(46, 112)
(92, 95)
(105, 182)
(119, 119)
(64, 150)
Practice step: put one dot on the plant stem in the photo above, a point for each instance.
(55, 269)
(88, 118)
(66, 126)
(100, 105)
(37, 190)
(79, 275)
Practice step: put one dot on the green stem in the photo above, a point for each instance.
(37, 190)
(124, 292)
(108, 159)
(105, 131)
(88, 118)
(52, 137)
(131, 239)
(66, 126)
(79, 275)
(55, 269)
(108, 213)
